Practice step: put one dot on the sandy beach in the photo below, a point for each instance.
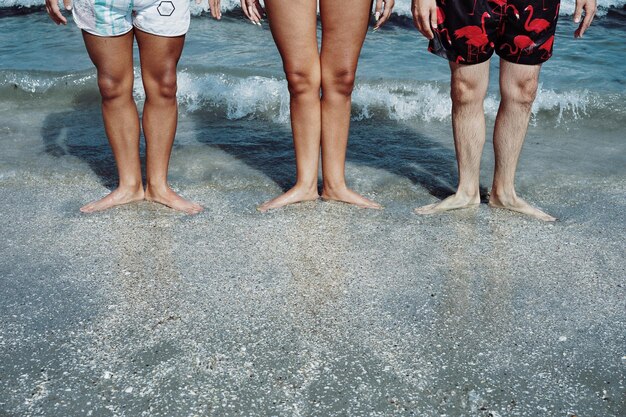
(317, 309)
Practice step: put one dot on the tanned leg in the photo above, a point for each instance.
(159, 57)
(294, 27)
(344, 26)
(468, 89)
(518, 88)
(113, 58)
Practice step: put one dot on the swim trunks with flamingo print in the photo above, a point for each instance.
(520, 31)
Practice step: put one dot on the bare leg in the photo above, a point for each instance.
(294, 27)
(159, 57)
(344, 26)
(468, 89)
(113, 58)
(518, 87)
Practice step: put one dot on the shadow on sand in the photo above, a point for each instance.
(80, 133)
(264, 146)
(388, 146)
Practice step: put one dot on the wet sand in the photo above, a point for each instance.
(318, 309)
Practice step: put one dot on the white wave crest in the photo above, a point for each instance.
(236, 97)
(402, 8)
(268, 98)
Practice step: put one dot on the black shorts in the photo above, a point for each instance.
(520, 31)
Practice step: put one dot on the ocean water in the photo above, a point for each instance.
(234, 98)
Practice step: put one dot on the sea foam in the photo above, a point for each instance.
(267, 98)
(402, 8)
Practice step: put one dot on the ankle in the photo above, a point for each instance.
(157, 188)
(504, 195)
(309, 187)
(334, 186)
(468, 193)
(131, 186)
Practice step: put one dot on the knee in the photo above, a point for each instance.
(339, 81)
(522, 92)
(163, 87)
(112, 87)
(466, 91)
(302, 82)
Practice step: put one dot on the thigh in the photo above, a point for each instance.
(159, 55)
(518, 78)
(294, 27)
(112, 55)
(344, 26)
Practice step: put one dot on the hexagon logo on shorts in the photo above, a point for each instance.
(166, 8)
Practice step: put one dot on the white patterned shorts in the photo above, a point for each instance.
(117, 17)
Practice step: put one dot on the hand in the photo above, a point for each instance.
(52, 7)
(382, 12)
(253, 10)
(425, 16)
(589, 6)
(215, 8)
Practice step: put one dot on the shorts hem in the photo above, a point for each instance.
(451, 58)
(522, 61)
(150, 32)
(108, 35)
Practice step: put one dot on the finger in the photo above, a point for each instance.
(586, 22)
(244, 7)
(578, 11)
(215, 9)
(260, 10)
(67, 4)
(418, 24)
(198, 1)
(385, 16)
(433, 17)
(255, 14)
(211, 8)
(57, 15)
(251, 14)
(378, 10)
(425, 20)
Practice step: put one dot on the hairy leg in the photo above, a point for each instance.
(159, 57)
(468, 89)
(518, 88)
(294, 27)
(344, 26)
(113, 58)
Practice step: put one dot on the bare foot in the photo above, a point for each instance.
(453, 202)
(167, 197)
(514, 203)
(346, 195)
(295, 195)
(119, 196)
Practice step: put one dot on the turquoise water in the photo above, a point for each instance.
(233, 95)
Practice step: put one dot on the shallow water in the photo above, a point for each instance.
(318, 309)
(232, 91)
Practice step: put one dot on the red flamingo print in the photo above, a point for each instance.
(441, 18)
(522, 44)
(515, 12)
(547, 48)
(476, 36)
(535, 25)
(499, 8)
(503, 21)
